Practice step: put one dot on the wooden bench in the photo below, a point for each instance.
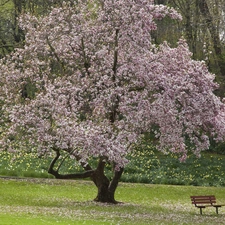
(205, 201)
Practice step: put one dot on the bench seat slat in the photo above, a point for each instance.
(203, 206)
(203, 202)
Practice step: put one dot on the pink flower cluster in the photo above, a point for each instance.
(101, 83)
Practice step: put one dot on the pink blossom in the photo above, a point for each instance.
(101, 84)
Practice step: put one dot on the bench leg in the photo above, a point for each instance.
(201, 211)
(217, 210)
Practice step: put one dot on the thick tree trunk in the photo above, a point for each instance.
(104, 194)
(106, 188)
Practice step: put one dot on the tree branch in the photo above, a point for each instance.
(62, 68)
(10, 46)
(3, 3)
(115, 55)
(55, 173)
(115, 180)
(86, 61)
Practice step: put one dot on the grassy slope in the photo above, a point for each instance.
(44, 201)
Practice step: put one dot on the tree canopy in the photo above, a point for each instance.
(99, 83)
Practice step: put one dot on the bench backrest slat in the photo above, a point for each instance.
(208, 199)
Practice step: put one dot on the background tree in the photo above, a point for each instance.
(203, 28)
(100, 84)
(5, 27)
(10, 10)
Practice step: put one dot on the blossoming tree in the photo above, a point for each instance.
(99, 84)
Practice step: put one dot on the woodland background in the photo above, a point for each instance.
(203, 26)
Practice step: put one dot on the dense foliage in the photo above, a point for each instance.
(99, 84)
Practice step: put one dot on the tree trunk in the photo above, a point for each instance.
(106, 188)
(104, 194)
(210, 23)
(18, 33)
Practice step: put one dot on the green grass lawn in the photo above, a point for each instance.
(50, 201)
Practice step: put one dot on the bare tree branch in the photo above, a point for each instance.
(55, 173)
